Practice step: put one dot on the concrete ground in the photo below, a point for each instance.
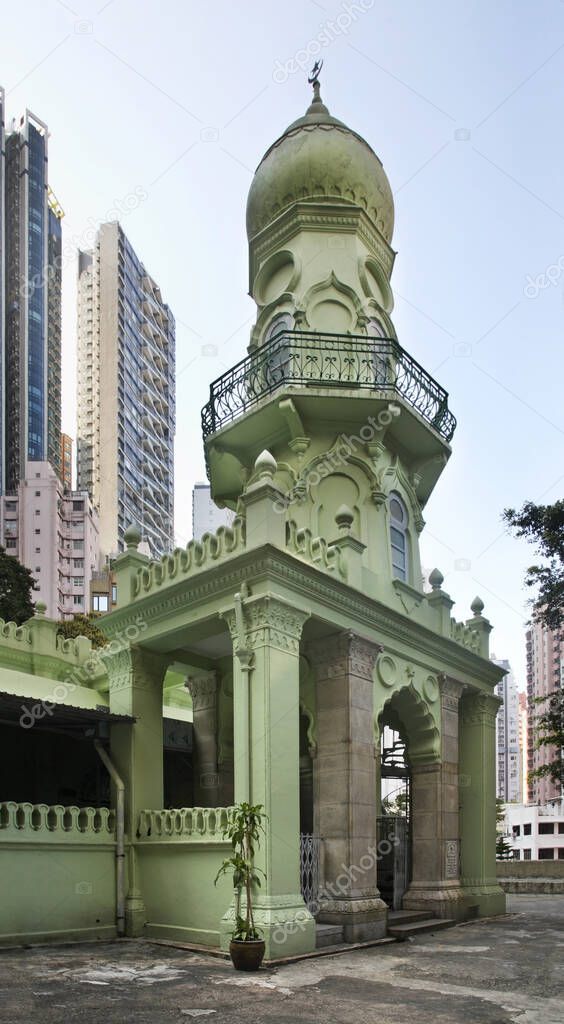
(489, 972)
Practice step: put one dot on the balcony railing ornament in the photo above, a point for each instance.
(310, 359)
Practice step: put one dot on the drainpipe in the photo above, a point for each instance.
(120, 836)
(245, 657)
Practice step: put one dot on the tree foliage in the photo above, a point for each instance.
(82, 625)
(543, 525)
(16, 586)
(550, 725)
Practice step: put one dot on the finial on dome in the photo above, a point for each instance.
(317, 105)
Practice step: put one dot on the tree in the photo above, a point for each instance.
(543, 525)
(16, 585)
(82, 625)
(503, 849)
(550, 725)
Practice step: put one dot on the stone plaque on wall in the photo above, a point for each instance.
(451, 859)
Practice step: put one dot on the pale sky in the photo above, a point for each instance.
(462, 102)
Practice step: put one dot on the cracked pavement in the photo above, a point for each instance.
(498, 971)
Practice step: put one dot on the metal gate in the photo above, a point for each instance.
(393, 859)
(310, 846)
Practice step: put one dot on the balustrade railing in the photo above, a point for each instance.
(55, 822)
(312, 359)
(184, 823)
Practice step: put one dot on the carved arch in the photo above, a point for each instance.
(421, 732)
(332, 281)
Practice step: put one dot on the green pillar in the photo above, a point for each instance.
(477, 799)
(136, 688)
(266, 720)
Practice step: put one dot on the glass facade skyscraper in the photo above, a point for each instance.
(30, 241)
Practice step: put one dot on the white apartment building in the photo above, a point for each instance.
(54, 533)
(508, 759)
(207, 517)
(536, 832)
(126, 394)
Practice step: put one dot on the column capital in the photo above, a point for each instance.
(344, 654)
(269, 621)
(451, 692)
(134, 667)
(203, 691)
(480, 708)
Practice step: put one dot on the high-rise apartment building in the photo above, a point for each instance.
(206, 515)
(66, 462)
(30, 293)
(126, 394)
(508, 771)
(545, 673)
(523, 745)
(55, 534)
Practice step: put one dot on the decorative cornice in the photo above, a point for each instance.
(272, 565)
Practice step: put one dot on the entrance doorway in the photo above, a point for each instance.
(394, 819)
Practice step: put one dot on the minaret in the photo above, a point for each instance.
(350, 418)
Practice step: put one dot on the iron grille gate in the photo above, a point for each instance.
(394, 859)
(309, 870)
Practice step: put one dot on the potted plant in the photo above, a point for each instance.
(245, 826)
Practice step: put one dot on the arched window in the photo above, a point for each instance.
(375, 329)
(278, 359)
(399, 537)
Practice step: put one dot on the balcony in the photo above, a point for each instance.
(309, 360)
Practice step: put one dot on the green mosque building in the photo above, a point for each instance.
(294, 659)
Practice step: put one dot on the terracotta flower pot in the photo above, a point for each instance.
(246, 955)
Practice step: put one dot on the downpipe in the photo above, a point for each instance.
(120, 835)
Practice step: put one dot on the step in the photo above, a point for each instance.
(404, 916)
(328, 935)
(409, 929)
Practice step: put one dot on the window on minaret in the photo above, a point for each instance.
(279, 355)
(399, 538)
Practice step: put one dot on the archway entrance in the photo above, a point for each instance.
(394, 818)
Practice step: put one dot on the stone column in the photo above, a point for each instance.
(266, 720)
(136, 688)
(478, 807)
(203, 690)
(346, 812)
(435, 880)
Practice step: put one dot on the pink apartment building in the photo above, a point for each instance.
(54, 532)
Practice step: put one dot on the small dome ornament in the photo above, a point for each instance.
(344, 518)
(132, 537)
(266, 465)
(477, 606)
(436, 579)
(40, 608)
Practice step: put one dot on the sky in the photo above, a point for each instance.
(158, 115)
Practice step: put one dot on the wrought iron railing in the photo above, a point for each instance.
(310, 847)
(309, 359)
